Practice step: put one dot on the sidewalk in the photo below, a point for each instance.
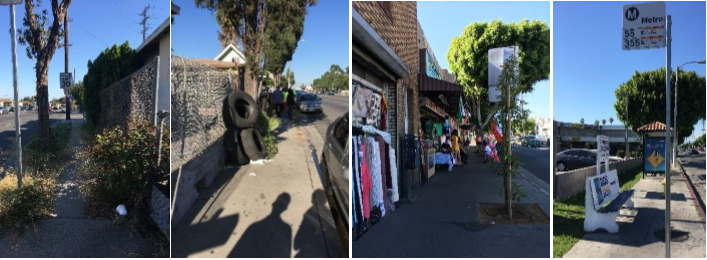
(637, 227)
(278, 209)
(442, 220)
(71, 233)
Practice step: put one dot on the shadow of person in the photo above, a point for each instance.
(204, 235)
(312, 229)
(270, 237)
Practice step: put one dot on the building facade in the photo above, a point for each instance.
(576, 135)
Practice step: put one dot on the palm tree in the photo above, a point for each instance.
(596, 123)
(611, 120)
(581, 121)
(603, 121)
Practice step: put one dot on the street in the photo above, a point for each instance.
(535, 160)
(333, 107)
(29, 126)
(694, 165)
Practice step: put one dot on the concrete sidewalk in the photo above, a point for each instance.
(72, 233)
(442, 220)
(278, 209)
(637, 227)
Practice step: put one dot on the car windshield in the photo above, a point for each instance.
(309, 97)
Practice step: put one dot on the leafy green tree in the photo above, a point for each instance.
(283, 30)
(77, 93)
(245, 23)
(468, 59)
(41, 36)
(111, 65)
(334, 79)
(700, 140)
(646, 98)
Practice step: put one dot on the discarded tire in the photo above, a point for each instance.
(243, 109)
(225, 112)
(234, 149)
(253, 144)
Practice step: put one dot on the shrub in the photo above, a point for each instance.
(19, 208)
(110, 66)
(620, 153)
(636, 154)
(122, 164)
(266, 126)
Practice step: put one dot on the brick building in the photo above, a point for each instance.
(385, 59)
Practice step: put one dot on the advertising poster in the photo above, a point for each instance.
(654, 155)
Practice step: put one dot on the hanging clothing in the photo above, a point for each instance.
(384, 186)
(394, 175)
(365, 182)
(384, 113)
(373, 157)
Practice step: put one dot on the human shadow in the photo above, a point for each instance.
(269, 237)
(313, 227)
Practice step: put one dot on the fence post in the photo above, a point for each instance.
(155, 91)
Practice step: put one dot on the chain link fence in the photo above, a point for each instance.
(198, 94)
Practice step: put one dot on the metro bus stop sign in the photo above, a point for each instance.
(643, 26)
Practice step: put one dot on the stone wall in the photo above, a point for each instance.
(130, 99)
(197, 94)
(569, 183)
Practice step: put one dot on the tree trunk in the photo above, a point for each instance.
(45, 135)
(250, 83)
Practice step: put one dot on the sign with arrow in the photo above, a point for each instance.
(654, 155)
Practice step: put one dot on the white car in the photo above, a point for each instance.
(3, 111)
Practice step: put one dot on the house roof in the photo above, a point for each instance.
(653, 127)
(217, 64)
(5, 100)
(175, 9)
(229, 49)
(154, 38)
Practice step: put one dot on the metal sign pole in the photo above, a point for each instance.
(668, 25)
(18, 134)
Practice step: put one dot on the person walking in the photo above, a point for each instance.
(290, 101)
(277, 98)
(455, 147)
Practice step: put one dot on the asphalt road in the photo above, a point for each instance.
(694, 165)
(28, 125)
(535, 160)
(332, 108)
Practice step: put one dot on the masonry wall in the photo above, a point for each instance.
(570, 183)
(197, 95)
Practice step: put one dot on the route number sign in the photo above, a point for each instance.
(643, 26)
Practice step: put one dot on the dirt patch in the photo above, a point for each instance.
(522, 214)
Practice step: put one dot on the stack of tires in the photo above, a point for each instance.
(243, 140)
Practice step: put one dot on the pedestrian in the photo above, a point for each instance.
(455, 147)
(277, 98)
(478, 144)
(290, 102)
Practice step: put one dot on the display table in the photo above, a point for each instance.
(444, 158)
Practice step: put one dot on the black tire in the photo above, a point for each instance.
(561, 166)
(243, 109)
(253, 144)
(234, 149)
(225, 112)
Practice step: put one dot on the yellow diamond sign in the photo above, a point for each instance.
(655, 159)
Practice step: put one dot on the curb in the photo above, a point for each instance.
(535, 181)
(691, 188)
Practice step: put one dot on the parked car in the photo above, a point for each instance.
(531, 141)
(693, 151)
(334, 164)
(3, 111)
(331, 92)
(310, 103)
(578, 158)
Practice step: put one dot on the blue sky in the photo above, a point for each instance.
(589, 64)
(96, 26)
(442, 21)
(326, 37)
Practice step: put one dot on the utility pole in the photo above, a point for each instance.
(668, 169)
(144, 24)
(66, 64)
(18, 133)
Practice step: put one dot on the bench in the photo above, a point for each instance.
(603, 202)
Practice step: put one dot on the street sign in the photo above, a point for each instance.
(10, 2)
(497, 57)
(644, 26)
(66, 80)
(602, 149)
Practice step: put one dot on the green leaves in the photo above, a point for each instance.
(646, 100)
(111, 65)
(468, 53)
(336, 78)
